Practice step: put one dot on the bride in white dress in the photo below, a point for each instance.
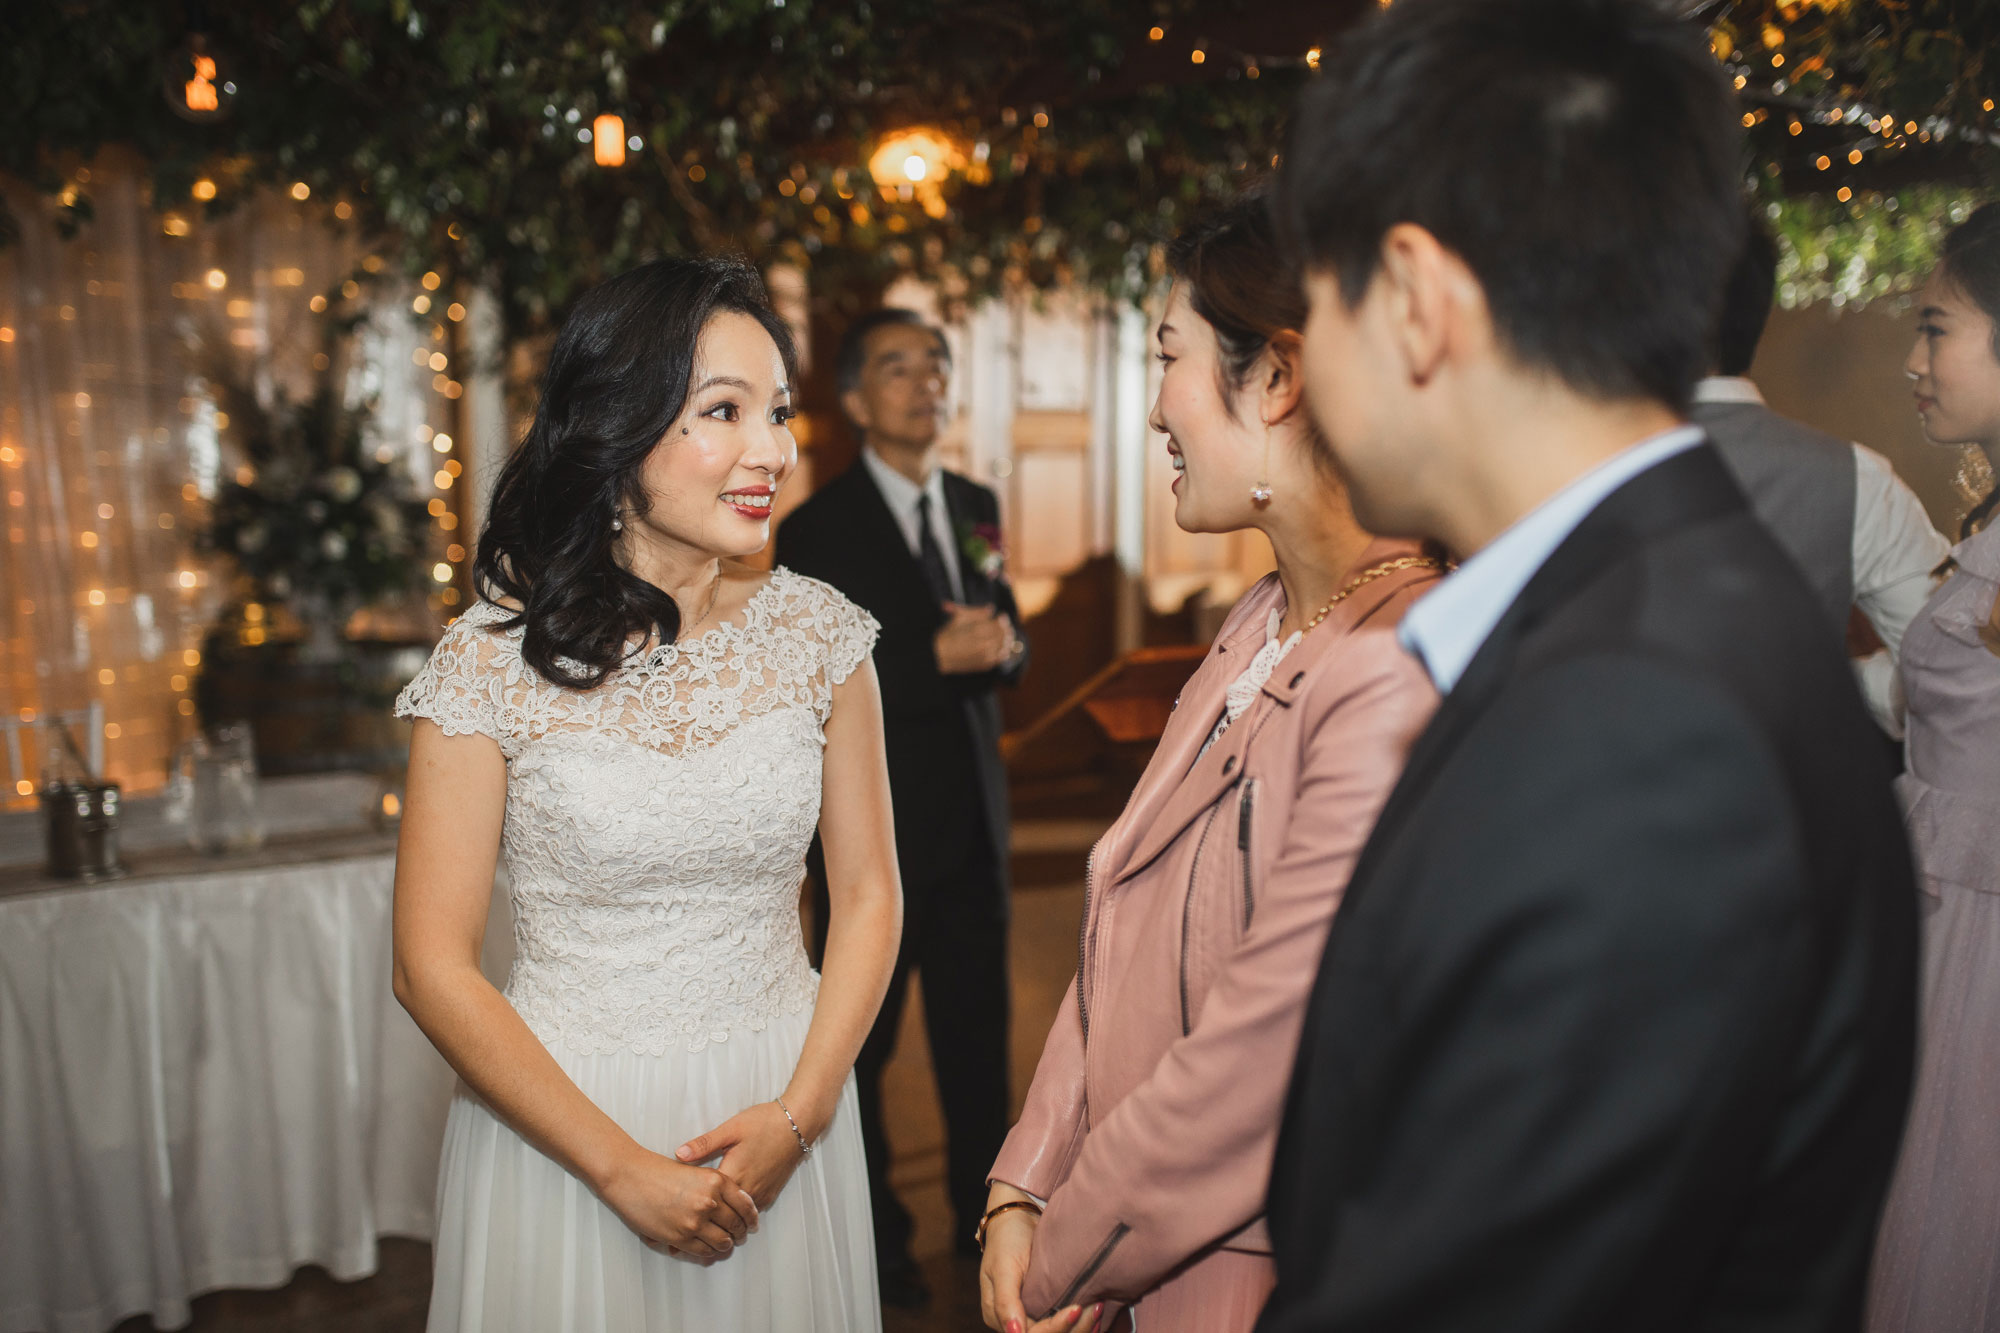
(656, 1124)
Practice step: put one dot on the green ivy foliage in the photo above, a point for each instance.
(454, 126)
(1874, 124)
(1879, 247)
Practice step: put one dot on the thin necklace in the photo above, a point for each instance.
(1368, 576)
(714, 592)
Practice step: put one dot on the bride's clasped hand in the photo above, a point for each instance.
(697, 1212)
(759, 1148)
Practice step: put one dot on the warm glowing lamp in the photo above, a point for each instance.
(200, 91)
(197, 81)
(607, 138)
(914, 157)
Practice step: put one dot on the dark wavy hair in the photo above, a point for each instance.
(1971, 263)
(617, 381)
(1240, 280)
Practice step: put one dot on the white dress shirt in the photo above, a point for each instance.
(1895, 550)
(902, 495)
(1448, 626)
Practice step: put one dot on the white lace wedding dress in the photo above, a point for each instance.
(655, 840)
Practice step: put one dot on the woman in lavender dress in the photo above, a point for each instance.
(1937, 1265)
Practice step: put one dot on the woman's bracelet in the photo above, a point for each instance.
(804, 1147)
(979, 1236)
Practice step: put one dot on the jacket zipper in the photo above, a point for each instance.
(1083, 931)
(1187, 912)
(1097, 1261)
(1243, 847)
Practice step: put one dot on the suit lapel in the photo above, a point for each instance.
(1196, 784)
(1688, 488)
(890, 553)
(977, 587)
(1211, 775)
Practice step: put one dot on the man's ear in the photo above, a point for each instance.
(855, 404)
(1421, 285)
(1283, 387)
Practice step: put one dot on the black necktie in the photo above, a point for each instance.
(929, 556)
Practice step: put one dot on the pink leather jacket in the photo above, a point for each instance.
(1153, 1116)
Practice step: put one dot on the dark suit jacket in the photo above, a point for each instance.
(942, 732)
(1613, 1031)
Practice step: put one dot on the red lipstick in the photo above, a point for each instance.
(751, 502)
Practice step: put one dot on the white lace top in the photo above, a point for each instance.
(1244, 689)
(657, 825)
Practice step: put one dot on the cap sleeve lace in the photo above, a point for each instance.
(462, 687)
(850, 635)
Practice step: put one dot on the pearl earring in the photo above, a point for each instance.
(617, 524)
(1261, 493)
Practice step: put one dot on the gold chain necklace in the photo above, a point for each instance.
(1368, 576)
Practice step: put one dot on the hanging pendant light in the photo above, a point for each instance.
(607, 139)
(198, 81)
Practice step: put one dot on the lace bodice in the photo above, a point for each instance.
(657, 825)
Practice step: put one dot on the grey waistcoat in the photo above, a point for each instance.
(1801, 484)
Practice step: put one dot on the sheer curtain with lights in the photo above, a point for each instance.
(112, 344)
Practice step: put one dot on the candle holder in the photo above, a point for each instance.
(81, 823)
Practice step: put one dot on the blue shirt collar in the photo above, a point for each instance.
(1448, 627)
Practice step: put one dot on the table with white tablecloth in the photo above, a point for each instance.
(205, 1082)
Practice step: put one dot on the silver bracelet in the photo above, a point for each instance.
(804, 1147)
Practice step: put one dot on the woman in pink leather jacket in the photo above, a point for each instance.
(1139, 1167)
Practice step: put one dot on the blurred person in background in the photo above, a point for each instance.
(1937, 1268)
(1859, 534)
(920, 548)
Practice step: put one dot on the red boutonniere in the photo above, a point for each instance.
(981, 544)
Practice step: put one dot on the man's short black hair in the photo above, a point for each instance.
(1582, 157)
(1746, 300)
(854, 343)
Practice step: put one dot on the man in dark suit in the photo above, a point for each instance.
(919, 548)
(1613, 1030)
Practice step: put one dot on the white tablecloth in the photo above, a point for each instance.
(205, 1082)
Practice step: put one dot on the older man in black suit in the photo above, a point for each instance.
(1614, 1028)
(920, 548)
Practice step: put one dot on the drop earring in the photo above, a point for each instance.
(1260, 494)
(617, 523)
